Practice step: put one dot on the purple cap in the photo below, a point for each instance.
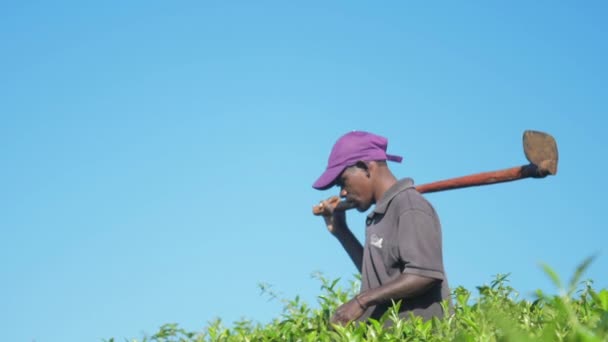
(348, 150)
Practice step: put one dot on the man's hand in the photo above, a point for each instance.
(348, 312)
(335, 220)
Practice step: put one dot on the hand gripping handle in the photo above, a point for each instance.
(335, 203)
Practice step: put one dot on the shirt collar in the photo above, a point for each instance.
(388, 196)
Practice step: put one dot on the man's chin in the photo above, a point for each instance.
(363, 207)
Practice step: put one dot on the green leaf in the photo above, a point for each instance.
(333, 284)
(554, 277)
(580, 270)
(601, 299)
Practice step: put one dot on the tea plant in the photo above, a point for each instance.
(577, 313)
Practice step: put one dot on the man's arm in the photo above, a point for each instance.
(403, 287)
(352, 246)
(336, 224)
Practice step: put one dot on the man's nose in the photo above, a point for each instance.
(343, 193)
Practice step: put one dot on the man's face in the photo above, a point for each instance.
(356, 186)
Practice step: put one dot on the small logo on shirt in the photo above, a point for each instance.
(376, 241)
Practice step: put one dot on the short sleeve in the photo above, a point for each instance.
(420, 246)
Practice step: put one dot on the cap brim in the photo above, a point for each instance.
(328, 178)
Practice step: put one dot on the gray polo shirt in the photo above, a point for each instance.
(403, 235)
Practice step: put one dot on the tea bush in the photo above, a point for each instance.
(577, 313)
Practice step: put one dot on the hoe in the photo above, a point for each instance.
(540, 150)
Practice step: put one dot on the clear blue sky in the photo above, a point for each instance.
(157, 157)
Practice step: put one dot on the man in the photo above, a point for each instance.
(401, 259)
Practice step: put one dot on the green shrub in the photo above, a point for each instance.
(577, 313)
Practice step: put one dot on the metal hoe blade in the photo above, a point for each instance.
(541, 150)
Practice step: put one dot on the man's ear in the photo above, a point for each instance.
(363, 166)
